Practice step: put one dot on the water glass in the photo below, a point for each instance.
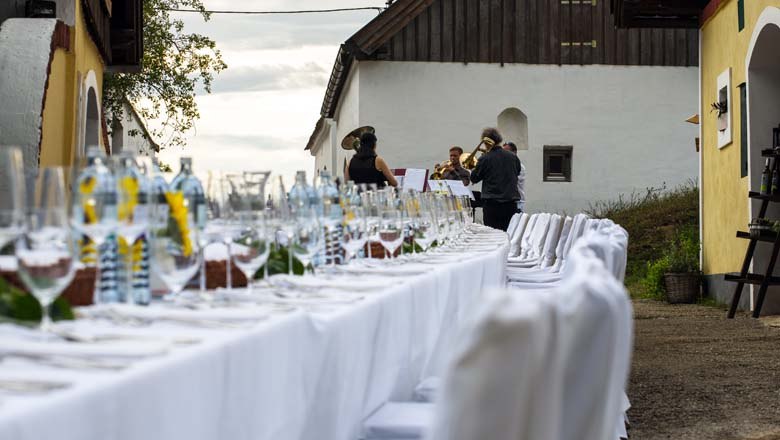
(12, 188)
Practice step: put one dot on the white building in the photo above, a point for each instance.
(129, 133)
(595, 111)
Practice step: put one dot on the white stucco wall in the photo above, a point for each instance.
(626, 124)
(25, 49)
(128, 136)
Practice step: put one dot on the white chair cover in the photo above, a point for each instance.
(595, 320)
(494, 392)
(559, 238)
(540, 235)
(513, 222)
(517, 233)
(543, 244)
(577, 228)
(500, 373)
(516, 244)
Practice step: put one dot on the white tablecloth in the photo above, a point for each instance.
(302, 375)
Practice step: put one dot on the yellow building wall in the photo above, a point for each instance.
(725, 205)
(61, 118)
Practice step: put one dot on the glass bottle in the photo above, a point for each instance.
(765, 178)
(300, 195)
(195, 200)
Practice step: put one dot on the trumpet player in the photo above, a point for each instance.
(497, 170)
(454, 170)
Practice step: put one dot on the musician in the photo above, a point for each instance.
(456, 171)
(366, 167)
(497, 170)
(512, 148)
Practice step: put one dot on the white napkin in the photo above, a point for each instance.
(155, 312)
(127, 350)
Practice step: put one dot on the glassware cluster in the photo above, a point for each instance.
(121, 216)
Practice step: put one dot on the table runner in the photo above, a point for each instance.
(298, 376)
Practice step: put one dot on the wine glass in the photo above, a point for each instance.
(133, 212)
(175, 246)
(280, 220)
(391, 228)
(308, 240)
(425, 232)
(249, 247)
(221, 223)
(355, 233)
(45, 249)
(12, 187)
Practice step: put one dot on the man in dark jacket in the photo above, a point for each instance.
(497, 170)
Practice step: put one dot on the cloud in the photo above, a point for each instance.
(271, 77)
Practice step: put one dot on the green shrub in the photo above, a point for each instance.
(651, 218)
(681, 255)
(653, 281)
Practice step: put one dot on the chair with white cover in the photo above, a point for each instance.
(532, 247)
(510, 340)
(514, 222)
(555, 233)
(521, 237)
(535, 365)
(552, 273)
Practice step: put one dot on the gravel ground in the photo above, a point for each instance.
(697, 375)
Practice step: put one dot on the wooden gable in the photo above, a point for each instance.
(519, 31)
(658, 13)
(116, 27)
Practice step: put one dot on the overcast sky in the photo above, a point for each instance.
(263, 108)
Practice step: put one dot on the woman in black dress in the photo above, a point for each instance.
(366, 167)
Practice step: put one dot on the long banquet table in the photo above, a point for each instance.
(311, 373)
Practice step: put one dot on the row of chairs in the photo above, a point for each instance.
(546, 358)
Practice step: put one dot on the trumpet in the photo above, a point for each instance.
(467, 160)
(440, 169)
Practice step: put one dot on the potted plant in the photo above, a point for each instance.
(682, 279)
(722, 109)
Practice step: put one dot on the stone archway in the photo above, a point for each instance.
(763, 114)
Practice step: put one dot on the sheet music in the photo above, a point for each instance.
(459, 189)
(437, 185)
(414, 179)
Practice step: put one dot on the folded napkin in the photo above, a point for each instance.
(364, 283)
(126, 350)
(159, 312)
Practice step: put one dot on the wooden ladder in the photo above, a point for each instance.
(744, 277)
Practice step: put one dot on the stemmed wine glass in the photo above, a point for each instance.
(355, 233)
(133, 212)
(12, 187)
(308, 239)
(391, 229)
(280, 221)
(45, 249)
(175, 246)
(250, 243)
(221, 222)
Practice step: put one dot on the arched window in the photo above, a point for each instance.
(513, 125)
(92, 131)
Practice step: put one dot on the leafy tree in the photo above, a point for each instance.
(174, 64)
